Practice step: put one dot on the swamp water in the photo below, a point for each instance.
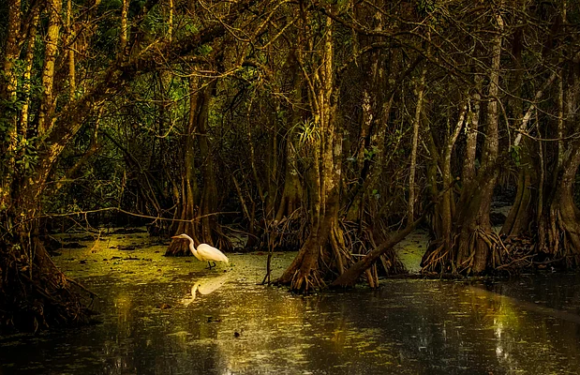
(153, 324)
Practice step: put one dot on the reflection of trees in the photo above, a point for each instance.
(545, 336)
(438, 326)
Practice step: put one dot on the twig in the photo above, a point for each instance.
(196, 219)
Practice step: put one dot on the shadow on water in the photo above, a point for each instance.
(170, 316)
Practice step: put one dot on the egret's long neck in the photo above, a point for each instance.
(192, 248)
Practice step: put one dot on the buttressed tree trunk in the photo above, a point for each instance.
(530, 183)
(198, 203)
(559, 217)
(560, 223)
(472, 244)
(324, 244)
(188, 176)
(543, 224)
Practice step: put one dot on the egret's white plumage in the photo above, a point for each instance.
(204, 252)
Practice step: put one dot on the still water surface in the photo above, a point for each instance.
(152, 324)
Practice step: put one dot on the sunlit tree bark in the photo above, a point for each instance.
(8, 94)
(45, 115)
(26, 85)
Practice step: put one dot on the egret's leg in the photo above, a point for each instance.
(209, 266)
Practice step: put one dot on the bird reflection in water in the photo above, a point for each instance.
(205, 286)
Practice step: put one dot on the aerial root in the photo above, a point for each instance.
(360, 238)
(505, 255)
(307, 282)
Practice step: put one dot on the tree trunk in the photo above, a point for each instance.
(45, 117)
(522, 212)
(124, 34)
(35, 293)
(198, 205)
(472, 245)
(8, 86)
(25, 111)
(291, 198)
(420, 90)
(559, 227)
(310, 268)
(558, 233)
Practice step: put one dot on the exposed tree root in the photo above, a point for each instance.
(36, 294)
(307, 282)
(441, 259)
(563, 240)
(321, 263)
(362, 242)
(509, 255)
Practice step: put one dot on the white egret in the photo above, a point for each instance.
(204, 252)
